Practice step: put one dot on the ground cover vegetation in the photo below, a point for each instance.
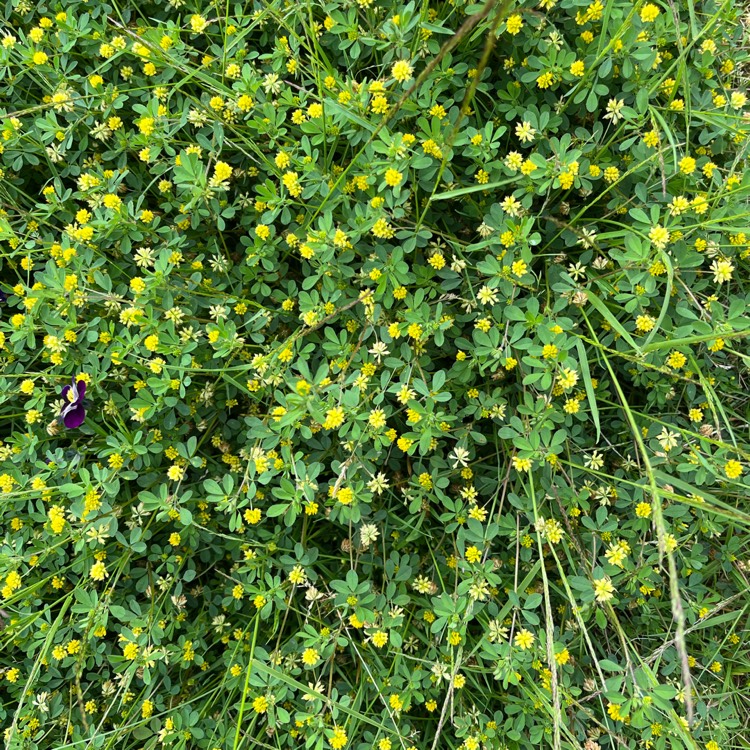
(373, 374)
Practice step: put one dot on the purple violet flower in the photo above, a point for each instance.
(74, 411)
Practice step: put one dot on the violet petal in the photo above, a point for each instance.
(74, 416)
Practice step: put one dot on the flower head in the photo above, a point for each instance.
(401, 70)
(603, 590)
(524, 639)
(614, 110)
(74, 411)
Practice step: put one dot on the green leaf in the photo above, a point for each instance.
(601, 619)
(606, 313)
(589, 386)
(458, 192)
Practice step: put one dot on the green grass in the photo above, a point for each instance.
(543, 464)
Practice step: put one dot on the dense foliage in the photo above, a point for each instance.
(373, 375)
